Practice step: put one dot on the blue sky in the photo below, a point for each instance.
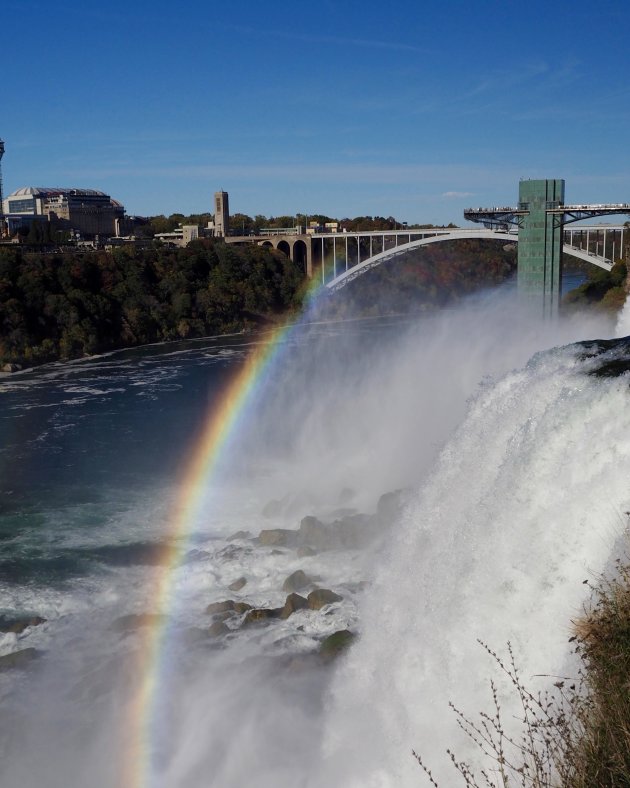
(353, 107)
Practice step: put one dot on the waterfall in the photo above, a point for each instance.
(525, 502)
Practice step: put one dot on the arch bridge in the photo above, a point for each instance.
(338, 258)
(539, 224)
(583, 243)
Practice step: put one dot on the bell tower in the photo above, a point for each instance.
(2, 220)
(221, 214)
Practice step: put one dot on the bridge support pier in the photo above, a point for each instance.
(540, 243)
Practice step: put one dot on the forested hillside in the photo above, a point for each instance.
(604, 290)
(71, 304)
(78, 303)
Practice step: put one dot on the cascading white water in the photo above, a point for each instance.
(622, 329)
(511, 512)
(524, 504)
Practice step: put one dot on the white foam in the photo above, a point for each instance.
(512, 510)
(525, 503)
(622, 328)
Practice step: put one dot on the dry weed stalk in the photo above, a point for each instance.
(576, 734)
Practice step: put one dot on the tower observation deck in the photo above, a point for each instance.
(540, 216)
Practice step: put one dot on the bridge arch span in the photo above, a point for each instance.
(347, 276)
(587, 257)
(489, 235)
(283, 246)
(300, 254)
(298, 250)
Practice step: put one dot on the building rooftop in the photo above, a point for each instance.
(46, 191)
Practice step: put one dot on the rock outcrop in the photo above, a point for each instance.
(262, 615)
(321, 597)
(228, 606)
(238, 584)
(296, 581)
(336, 644)
(278, 537)
(293, 602)
(18, 659)
(18, 625)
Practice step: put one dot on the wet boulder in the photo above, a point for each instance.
(239, 535)
(315, 533)
(18, 625)
(223, 615)
(18, 659)
(293, 602)
(296, 581)
(262, 615)
(355, 531)
(238, 584)
(217, 629)
(356, 587)
(228, 606)
(277, 537)
(336, 644)
(322, 597)
(304, 551)
(233, 552)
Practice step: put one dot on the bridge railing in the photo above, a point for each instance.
(279, 231)
(622, 207)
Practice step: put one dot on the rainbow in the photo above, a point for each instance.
(220, 424)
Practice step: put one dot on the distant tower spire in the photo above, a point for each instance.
(2, 223)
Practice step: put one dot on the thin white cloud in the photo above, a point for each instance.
(368, 43)
(509, 78)
(457, 195)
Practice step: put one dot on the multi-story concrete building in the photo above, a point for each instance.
(180, 236)
(86, 211)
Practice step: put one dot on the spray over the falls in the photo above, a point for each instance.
(516, 470)
(526, 501)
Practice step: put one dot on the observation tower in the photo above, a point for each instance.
(540, 217)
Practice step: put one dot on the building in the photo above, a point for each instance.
(316, 227)
(181, 236)
(2, 220)
(86, 211)
(221, 214)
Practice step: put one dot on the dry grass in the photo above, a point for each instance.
(576, 734)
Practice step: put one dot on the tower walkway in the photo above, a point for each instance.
(541, 217)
